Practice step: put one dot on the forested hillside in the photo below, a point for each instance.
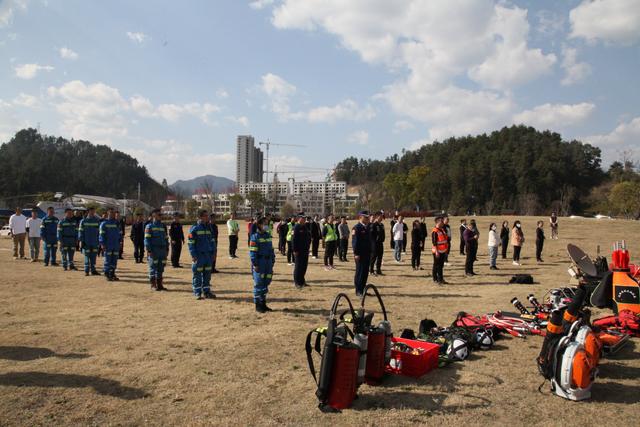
(32, 163)
(516, 168)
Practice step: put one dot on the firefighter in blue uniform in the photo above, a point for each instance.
(109, 239)
(49, 236)
(156, 243)
(68, 237)
(262, 259)
(361, 244)
(88, 233)
(301, 239)
(200, 244)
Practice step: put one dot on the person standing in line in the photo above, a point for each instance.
(49, 236)
(18, 230)
(447, 229)
(504, 238)
(137, 238)
(88, 236)
(283, 228)
(251, 224)
(289, 238)
(78, 217)
(233, 228)
(67, 236)
(344, 232)
(439, 247)
(398, 235)
(262, 260)
(214, 238)
(416, 245)
(471, 236)
(200, 248)
(553, 223)
(361, 245)
(122, 224)
(463, 227)
(377, 242)
(424, 231)
(392, 223)
(539, 241)
(33, 233)
(373, 231)
(493, 245)
(405, 230)
(330, 238)
(103, 218)
(517, 240)
(300, 241)
(110, 240)
(156, 243)
(176, 235)
(316, 235)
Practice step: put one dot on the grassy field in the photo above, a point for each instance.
(79, 350)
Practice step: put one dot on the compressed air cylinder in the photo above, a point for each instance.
(362, 341)
(386, 326)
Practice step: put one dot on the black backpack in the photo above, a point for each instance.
(522, 279)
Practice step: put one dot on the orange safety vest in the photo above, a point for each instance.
(442, 244)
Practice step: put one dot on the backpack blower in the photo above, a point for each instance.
(336, 380)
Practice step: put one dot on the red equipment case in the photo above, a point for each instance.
(413, 365)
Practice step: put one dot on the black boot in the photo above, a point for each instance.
(159, 282)
(265, 307)
(260, 308)
(154, 285)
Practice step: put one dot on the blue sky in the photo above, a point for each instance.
(173, 83)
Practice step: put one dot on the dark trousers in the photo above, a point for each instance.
(505, 244)
(539, 246)
(329, 252)
(376, 257)
(233, 245)
(516, 253)
(342, 249)
(404, 243)
(415, 256)
(362, 273)
(300, 268)
(315, 243)
(462, 244)
(138, 251)
(472, 250)
(176, 249)
(392, 243)
(438, 268)
(282, 245)
(121, 251)
(290, 257)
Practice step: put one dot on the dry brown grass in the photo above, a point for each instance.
(76, 350)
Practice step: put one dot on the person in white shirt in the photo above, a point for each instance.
(33, 233)
(494, 242)
(398, 237)
(18, 229)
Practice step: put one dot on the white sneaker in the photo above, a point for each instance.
(289, 264)
(446, 263)
(515, 263)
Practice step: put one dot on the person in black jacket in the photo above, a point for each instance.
(393, 222)
(316, 235)
(416, 244)
(214, 236)
(539, 241)
(424, 231)
(377, 244)
(447, 229)
(137, 237)
(471, 235)
(361, 245)
(504, 238)
(122, 224)
(463, 226)
(300, 241)
(176, 236)
(405, 230)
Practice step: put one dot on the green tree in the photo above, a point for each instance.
(192, 207)
(395, 184)
(256, 201)
(287, 210)
(235, 200)
(416, 182)
(625, 199)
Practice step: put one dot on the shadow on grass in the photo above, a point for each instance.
(306, 311)
(100, 385)
(617, 371)
(612, 392)
(23, 354)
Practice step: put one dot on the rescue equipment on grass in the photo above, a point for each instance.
(626, 322)
(618, 289)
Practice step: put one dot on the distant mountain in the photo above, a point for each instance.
(218, 184)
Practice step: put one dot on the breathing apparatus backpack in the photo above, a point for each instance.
(455, 343)
(336, 380)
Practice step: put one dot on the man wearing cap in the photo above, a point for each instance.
(361, 244)
(156, 244)
(377, 244)
(316, 235)
(300, 241)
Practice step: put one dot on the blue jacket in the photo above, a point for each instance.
(361, 240)
(49, 229)
(89, 231)
(155, 237)
(200, 240)
(261, 248)
(110, 235)
(301, 238)
(67, 232)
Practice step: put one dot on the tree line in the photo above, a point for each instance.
(515, 169)
(32, 163)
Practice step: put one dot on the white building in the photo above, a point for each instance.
(249, 160)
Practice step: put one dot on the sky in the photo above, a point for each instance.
(173, 83)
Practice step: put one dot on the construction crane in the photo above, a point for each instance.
(269, 144)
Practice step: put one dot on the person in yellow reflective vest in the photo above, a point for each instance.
(330, 237)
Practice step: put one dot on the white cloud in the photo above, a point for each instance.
(402, 125)
(280, 93)
(222, 93)
(575, 72)
(360, 137)
(174, 112)
(66, 53)
(10, 122)
(242, 120)
(554, 116)
(29, 71)
(8, 8)
(419, 143)
(24, 100)
(260, 4)
(612, 21)
(138, 37)
(625, 137)
(549, 23)
(437, 43)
